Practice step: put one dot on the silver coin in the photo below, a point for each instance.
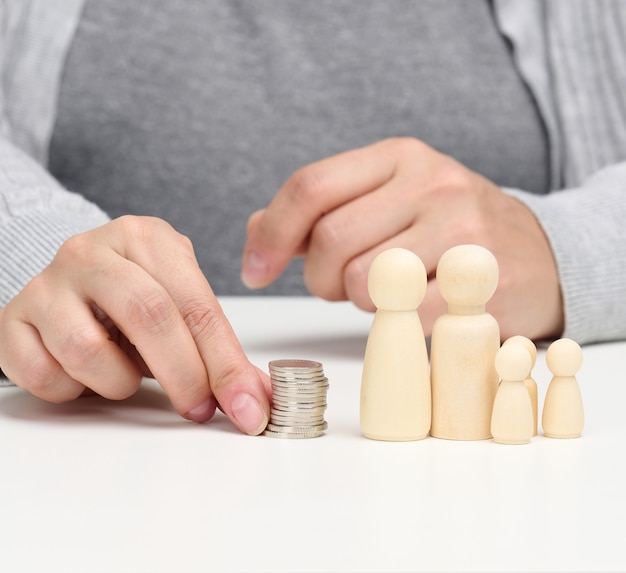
(297, 375)
(311, 397)
(298, 372)
(308, 380)
(297, 413)
(303, 428)
(300, 391)
(303, 389)
(285, 411)
(304, 399)
(290, 363)
(287, 425)
(298, 402)
(304, 404)
(300, 384)
(293, 378)
(317, 413)
(304, 434)
(297, 429)
(300, 397)
(294, 401)
(296, 408)
(296, 420)
(289, 374)
(292, 436)
(285, 404)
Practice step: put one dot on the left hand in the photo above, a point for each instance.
(123, 301)
(342, 211)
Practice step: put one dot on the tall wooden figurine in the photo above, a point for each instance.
(512, 417)
(529, 381)
(563, 415)
(464, 345)
(395, 386)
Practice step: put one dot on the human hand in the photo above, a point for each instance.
(123, 301)
(342, 211)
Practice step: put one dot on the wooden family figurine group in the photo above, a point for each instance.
(473, 388)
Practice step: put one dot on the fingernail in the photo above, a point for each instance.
(248, 414)
(254, 270)
(203, 411)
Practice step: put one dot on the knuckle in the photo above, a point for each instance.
(201, 319)
(307, 184)
(79, 348)
(472, 226)
(141, 228)
(37, 375)
(36, 289)
(184, 243)
(455, 178)
(407, 145)
(326, 235)
(404, 148)
(133, 225)
(76, 248)
(151, 312)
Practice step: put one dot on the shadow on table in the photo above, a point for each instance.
(350, 347)
(148, 407)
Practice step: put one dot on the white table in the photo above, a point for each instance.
(129, 486)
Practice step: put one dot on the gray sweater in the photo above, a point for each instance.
(570, 53)
(197, 112)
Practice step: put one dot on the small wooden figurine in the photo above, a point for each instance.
(512, 417)
(563, 415)
(529, 381)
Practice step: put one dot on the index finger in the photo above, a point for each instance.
(236, 384)
(277, 235)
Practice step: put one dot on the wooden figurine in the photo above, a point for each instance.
(563, 415)
(512, 416)
(395, 386)
(529, 381)
(464, 345)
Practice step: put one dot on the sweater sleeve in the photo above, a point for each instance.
(584, 226)
(36, 215)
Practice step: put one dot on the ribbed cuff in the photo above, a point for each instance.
(29, 241)
(585, 228)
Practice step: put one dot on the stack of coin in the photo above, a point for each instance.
(299, 390)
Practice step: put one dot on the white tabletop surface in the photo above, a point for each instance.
(129, 486)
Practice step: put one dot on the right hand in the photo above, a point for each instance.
(123, 301)
(342, 211)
